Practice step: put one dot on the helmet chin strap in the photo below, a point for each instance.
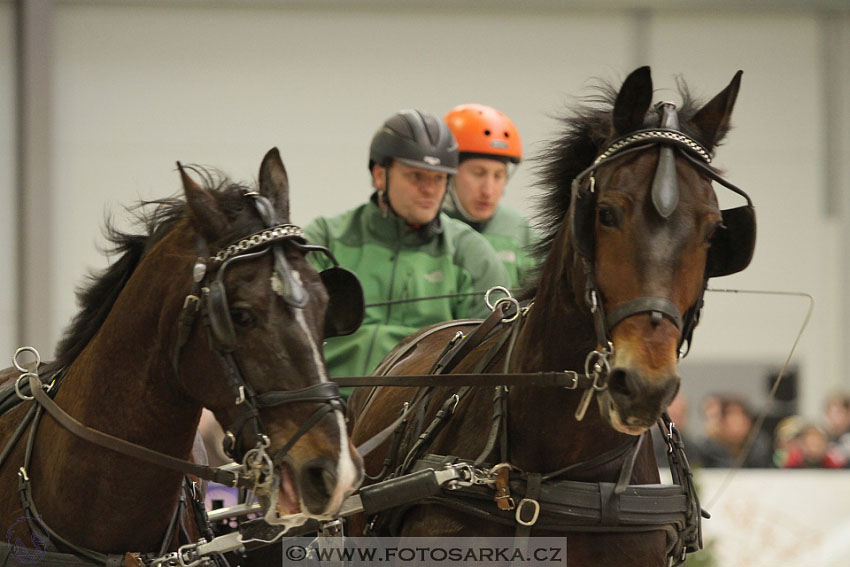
(454, 202)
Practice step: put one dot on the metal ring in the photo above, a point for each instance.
(504, 290)
(18, 364)
(519, 507)
(601, 367)
(512, 301)
(26, 375)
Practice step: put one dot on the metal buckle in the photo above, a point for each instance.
(574, 377)
(534, 516)
(192, 299)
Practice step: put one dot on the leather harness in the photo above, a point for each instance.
(547, 501)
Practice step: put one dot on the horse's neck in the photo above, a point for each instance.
(558, 332)
(122, 383)
(126, 371)
(557, 335)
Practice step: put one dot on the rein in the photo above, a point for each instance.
(39, 394)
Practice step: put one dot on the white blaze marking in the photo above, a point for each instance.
(346, 473)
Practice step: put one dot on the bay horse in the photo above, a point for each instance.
(633, 231)
(213, 306)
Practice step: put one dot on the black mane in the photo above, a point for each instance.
(156, 218)
(584, 133)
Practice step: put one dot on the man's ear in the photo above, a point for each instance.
(379, 177)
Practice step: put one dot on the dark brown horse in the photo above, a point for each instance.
(213, 306)
(633, 230)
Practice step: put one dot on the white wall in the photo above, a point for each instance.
(139, 86)
(773, 152)
(8, 311)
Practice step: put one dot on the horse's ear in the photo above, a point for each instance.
(712, 120)
(633, 101)
(274, 183)
(203, 209)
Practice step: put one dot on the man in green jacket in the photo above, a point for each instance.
(487, 142)
(402, 248)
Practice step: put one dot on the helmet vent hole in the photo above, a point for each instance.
(486, 132)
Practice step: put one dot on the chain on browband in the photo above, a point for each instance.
(662, 135)
(262, 238)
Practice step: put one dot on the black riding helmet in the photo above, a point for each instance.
(415, 138)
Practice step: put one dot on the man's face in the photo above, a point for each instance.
(479, 184)
(415, 194)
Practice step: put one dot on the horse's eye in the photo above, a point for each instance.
(242, 317)
(607, 217)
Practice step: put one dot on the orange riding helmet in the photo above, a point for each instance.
(484, 131)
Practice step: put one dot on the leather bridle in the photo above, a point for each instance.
(213, 307)
(665, 197)
(258, 464)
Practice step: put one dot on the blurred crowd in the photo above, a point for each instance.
(727, 435)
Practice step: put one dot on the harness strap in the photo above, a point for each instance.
(565, 379)
(500, 409)
(572, 506)
(380, 373)
(38, 527)
(322, 392)
(473, 339)
(118, 445)
(595, 462)
(652, 305)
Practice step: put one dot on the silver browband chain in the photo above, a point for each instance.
(656, 135)
(262, 238)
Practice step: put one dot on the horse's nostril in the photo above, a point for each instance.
(618, 383)
(318, 483)
(329, 479)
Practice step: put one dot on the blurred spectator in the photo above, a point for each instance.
(785, 437)
(729, 422)
(678, 411)
(808, 448)
(712, 412)
(836, 421)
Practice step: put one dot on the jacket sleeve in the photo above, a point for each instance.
(480, 269)
(318, 233)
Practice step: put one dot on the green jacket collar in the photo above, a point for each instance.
(386, 225)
